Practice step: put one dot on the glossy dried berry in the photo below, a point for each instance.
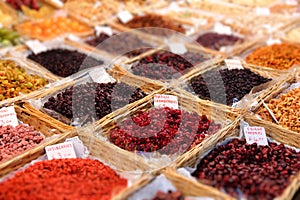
(166, 130)
(258, 172)
(93, 100)
(64, 62)
(223, 86)
(165, 65)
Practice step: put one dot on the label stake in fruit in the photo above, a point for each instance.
(59, 151)
(255, 134)
(177, 48)
(125, 16)
(8, 116)
(35, 46)
(162, 100)
(233, 64)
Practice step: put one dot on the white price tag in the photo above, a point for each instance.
(73, 38)
(35, 46)
(1, 25)
(222, 29)
(262, 11)
(177, 48)
(163, 100)
(8, 116)
(198, 198)
(100, 75)
(80, 150)
(291, 2)
(255, 134)
(59, 151)
(103, 29)
(59, 3)
(233, 64)
(125, 16)
(272, 41)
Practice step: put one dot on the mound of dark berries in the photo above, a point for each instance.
(124, 44)
(164, 65)
(170, 195)
(64, 62)
(216, 41)
(223, 86)
(93, 100)
(166, 130)
(15, 140)
(259, 172)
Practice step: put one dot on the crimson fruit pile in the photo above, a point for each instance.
(166, 130)
(67, 179)
(170, 195)
(16, 4)
(15, 140)
(92, 101)
(258, 172)
(165, 65)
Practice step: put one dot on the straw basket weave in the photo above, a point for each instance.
(40, 122)
(186, 102)
(272, 93)
(272, 132)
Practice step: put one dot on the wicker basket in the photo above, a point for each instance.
(30, 69)
(272, 93)
(7, 10)
(233, 131)
(96, 147)
(186, 102)
(42, 124)
(186, 186)
(257, 92)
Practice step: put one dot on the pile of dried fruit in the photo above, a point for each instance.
(14, 80)
(258, 172)
(277, 56)
(168, 196)
(223, 86)
(93, 100)
(155, 21)
(164, 65)
(15, 140)
(286, 110)
(64, 179)
(216, 41)
(166, 130)
(17, 4)
(9, 37)
(64, 62)
(124, 43)
(52, 27)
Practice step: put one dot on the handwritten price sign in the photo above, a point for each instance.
(8, 116)
(162, 100)
(255, 134)
(59, 151)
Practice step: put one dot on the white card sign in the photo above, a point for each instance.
(177, 48)
(125, 16)
(103, 29)
(163, 100)
(100, 75)
(222, 29)
(8, 116)
(255, 134)
(291, 2)
(79, 147)
(262, 11)
(59, 3)
(233, 64)
(59, 151)
(36, 46)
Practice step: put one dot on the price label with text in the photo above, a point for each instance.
(177, 48)
(233, 64)
(36, 46)
(59, 151)
(255, 134)
(8, 116)
(103, 29)
(162, 100)
(222, 29)
(100, 75)
(125, 16)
